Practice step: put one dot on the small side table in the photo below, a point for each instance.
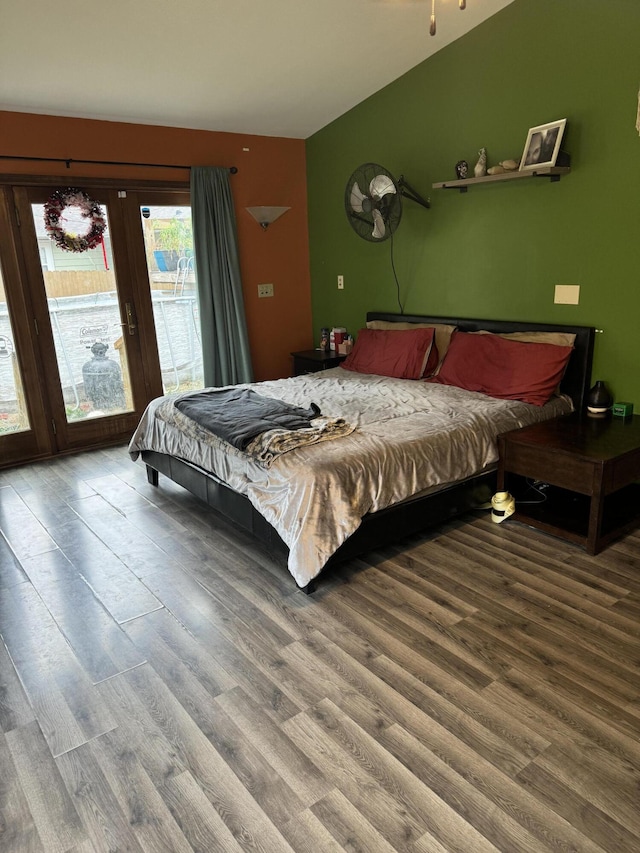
(591, 466)
(313, 360)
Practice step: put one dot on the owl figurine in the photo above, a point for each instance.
(480, 169)
(462, 169)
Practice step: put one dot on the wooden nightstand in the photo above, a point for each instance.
(590, 465)
(312, 360)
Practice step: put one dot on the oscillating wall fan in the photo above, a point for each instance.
(373, 201)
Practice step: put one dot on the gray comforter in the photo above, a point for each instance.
(409, 437)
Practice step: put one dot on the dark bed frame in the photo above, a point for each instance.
(409, 517)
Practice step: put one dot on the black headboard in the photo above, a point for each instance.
(577, 378)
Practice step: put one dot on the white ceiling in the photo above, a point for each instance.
(267, 67)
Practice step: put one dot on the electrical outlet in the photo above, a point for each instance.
(340, 282)
(265, 290)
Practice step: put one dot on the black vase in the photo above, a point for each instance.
(599, 399)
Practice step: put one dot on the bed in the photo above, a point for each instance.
(419, 450)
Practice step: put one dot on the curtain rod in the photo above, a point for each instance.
(68, 161)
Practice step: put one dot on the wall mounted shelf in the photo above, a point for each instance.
(554, 173)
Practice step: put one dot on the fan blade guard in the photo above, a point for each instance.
(375, 213)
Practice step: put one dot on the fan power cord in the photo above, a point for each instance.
(540, 489)
(395, 275)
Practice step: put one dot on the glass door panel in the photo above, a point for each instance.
(84, 311)
(168, 239)
(13, 410)
(25, 430)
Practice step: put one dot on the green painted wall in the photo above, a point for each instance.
(499, 250)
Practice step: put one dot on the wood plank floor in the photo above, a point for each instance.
(164, 686)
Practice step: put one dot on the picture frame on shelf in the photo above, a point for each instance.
(543, 145)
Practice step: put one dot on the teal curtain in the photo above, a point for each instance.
(225, 343)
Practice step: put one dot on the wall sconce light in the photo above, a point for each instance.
(264, 216)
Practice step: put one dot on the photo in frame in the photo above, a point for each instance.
(543, 145)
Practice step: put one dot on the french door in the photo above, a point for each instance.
(88, 338)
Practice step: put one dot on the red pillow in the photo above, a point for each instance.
(507, 369)
(402, 354)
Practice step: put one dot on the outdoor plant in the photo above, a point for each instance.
(175, 236)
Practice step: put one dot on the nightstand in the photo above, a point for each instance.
(589, 464)
(312, 360)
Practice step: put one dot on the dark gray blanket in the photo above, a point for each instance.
(238, 415)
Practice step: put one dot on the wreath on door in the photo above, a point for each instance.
(89, 209)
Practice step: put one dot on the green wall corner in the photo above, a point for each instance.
(499, 250)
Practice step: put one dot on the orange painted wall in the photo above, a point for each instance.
(271, 171)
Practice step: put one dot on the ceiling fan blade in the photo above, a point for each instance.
(379, 228)
(381, 185)
(357, 197)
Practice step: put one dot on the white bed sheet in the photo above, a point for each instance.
(410, 436)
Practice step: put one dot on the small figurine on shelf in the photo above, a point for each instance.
(462, 169)
(480, 169)
(503, 166)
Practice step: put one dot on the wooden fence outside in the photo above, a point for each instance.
(61, 283)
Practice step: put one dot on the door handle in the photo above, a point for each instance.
(131, 319)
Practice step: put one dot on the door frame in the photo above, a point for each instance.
(50, 431)
(37, 441)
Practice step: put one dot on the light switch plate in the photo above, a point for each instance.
(567, 294)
